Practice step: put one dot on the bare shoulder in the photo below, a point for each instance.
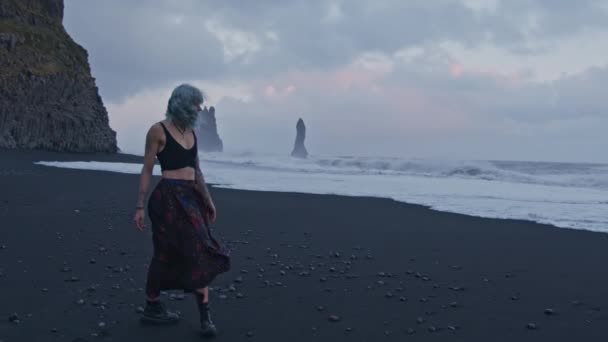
(156, 131)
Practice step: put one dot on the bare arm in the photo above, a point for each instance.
(152, 145)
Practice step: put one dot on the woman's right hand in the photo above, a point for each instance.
(139, 219)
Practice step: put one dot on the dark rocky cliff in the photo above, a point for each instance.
(48, 98)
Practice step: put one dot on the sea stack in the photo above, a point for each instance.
(299, 150)
(208, 138)
(48, 98)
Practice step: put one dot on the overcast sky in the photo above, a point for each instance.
(463, 79)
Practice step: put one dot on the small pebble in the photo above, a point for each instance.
(334, 318)
(549, 312)
(532, 326)
(14, 318)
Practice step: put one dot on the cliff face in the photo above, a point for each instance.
(208, 138)
(299, 150)
(48, 98)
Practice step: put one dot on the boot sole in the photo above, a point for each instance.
(209, 334)
(156, 321)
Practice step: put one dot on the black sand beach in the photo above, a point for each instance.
(72, 267)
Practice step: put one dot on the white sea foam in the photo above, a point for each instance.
(562, 194)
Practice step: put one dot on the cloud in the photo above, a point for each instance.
(468, 78)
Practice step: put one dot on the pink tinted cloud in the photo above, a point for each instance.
(458, 70)
(399, 106)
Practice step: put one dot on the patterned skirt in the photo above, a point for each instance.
(186, 255)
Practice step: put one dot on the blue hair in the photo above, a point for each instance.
(182, 105)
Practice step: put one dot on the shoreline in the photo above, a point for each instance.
(131, 158)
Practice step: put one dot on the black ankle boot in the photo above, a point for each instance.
(208, 329)
(156, 313)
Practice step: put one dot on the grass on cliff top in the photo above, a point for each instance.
(46, 50)
(33, 8)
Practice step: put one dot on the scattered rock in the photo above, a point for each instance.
(334, 318)
(549, 312)
(531, 326)
(14, 318)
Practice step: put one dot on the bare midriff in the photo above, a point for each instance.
(186, 173)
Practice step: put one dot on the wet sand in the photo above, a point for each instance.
(70, 259)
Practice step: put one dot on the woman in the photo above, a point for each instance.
(180, 208)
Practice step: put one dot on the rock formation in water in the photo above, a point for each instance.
(48, 98)
(299, 150)
(208, 138)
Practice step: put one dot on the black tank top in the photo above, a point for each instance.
(174, 156)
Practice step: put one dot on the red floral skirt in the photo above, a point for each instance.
(186, 255)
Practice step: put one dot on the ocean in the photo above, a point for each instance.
(567, 195)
